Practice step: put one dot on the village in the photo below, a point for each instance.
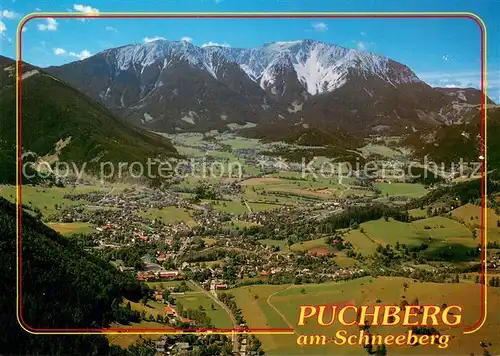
(193, 242)
(203, 250)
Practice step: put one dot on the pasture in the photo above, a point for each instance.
(293, 185)
(418, 213)
(71, 228)
(51, 199)
(360, 242)
(240, 224)
(412, 190)
(441, 234)
(378, 150)
(263, 304)
(170, 214)
(209, 241)
(193, 300)
(282, 244)
(232, 206)
(310, 245)
(470, 215)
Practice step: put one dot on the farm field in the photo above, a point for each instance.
(261, 196)
(293, 184)
(47, 198)
(470, 214)
(192, 181)
(238, 207)
(387, 290)
(417, 213)
(412, 190)
(443, 235)
(167, 215)
(282, 244)
(442, 228)
(342, 260)
(209, 241)
(392, 231)
(263, 206)
(211, 264)
(259, 314)
(71, 228)
(195, 299)
(317, 244)
(379, 150)
(360, 242)
(194, 145)
(241, 143)
(233, 206)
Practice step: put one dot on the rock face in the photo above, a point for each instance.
(171, 86)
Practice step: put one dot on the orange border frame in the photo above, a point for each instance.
(223, 15)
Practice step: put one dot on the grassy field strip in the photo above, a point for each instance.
(71, 228)
(401, 189)
(366, 290)
(216, 300)
(291, 326)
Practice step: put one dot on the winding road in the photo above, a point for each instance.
(236, 346)
(277, 310)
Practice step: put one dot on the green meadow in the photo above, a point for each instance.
(278, 307)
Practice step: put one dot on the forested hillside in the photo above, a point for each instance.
(59, 121)
(63, 287)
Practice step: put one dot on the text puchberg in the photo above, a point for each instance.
(421, 320)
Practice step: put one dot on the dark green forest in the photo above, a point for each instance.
(62, 287)
(53, 111)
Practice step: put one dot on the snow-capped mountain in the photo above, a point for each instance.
(320, 67)
(175, 85)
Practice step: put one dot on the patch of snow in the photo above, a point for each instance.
(189, 118)
(122, 103)
(296, 107)
(234, 126)
(147, 117)
(319, 67)
(29, 73)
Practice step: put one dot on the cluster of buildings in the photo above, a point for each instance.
(159, 275)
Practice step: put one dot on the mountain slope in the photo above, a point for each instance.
(470, 96)
(63, 287)
(55, 114)
(450, 143)
(171, 86)
(320, 67)
(165, 85)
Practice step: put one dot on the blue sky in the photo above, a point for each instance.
(443, 52)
